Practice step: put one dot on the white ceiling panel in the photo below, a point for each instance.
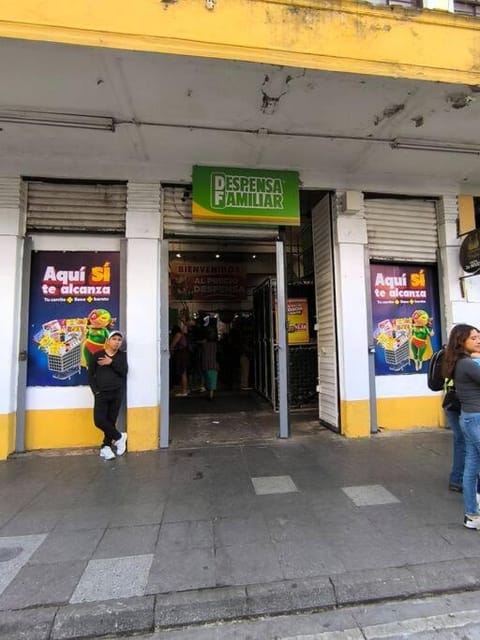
(172, 112)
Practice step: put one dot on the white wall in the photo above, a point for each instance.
(461, 304)
(12, 223)
(143, 294)
(350, 232)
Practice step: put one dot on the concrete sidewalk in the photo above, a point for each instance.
(186, 536)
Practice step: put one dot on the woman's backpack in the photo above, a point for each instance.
(435, 379)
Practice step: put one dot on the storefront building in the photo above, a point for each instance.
(108, 116)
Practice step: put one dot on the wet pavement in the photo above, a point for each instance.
(186, 536)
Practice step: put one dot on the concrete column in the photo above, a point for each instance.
(12, 231)
(143, 317)
(350, 240)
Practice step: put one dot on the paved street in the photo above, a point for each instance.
(187, 537)
(449, 617)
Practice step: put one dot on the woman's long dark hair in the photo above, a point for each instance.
(455, 348)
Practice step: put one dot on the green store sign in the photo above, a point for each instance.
(245, 196)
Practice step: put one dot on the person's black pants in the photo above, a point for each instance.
(105, 414)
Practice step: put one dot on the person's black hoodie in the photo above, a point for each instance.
(107, 377)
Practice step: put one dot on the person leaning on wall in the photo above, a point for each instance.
(107, 373)
(459, 366)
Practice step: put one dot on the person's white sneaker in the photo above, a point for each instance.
(106, 453)
(472, 521)
(121, 445)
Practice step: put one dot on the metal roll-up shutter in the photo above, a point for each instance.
(401, 229)
(325, 306)
(178, 222)
(69, 206)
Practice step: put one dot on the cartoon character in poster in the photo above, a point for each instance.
(420, 343)
(99, 325)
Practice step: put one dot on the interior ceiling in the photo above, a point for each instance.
(224, 255)
(172, 112)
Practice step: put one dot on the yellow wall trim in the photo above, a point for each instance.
(143, 428)
(322, 34)
(73, 428)
(355, 418)
(60, 429)
(7, 435)
(410, 413)
(392, 414)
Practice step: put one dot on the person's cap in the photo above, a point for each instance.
(115, 333)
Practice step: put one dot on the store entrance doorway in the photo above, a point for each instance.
(213, 392)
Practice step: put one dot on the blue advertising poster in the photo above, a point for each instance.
(74, 303)
(406, 317)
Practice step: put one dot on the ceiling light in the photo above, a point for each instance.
(433, 145)
(53, 119)
(254, 256)
(217, 255)
(178, 255)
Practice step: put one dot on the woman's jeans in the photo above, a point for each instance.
(470, 425)
(453, 421)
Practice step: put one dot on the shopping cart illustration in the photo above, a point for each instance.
(396, 348)
(65, 365)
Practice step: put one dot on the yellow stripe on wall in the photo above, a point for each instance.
(143, 428)
(7, 435)
(355, 418)
(410, 413)
(60, 429)
(72, 428)
(393, 414)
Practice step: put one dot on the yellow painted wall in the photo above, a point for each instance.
(7, 434)
(393, 414)
(72, 428)
(60, 429)
(316, 34)
(409, 413)
(355, 418)
(466, 214)
(143, 428)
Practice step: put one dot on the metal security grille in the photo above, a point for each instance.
(73, 207)
(467, 8)
(178, 222)
(325, 299)
(401, 229)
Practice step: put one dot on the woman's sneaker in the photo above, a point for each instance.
(106, 453)
(471, 521)
(121, 445)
